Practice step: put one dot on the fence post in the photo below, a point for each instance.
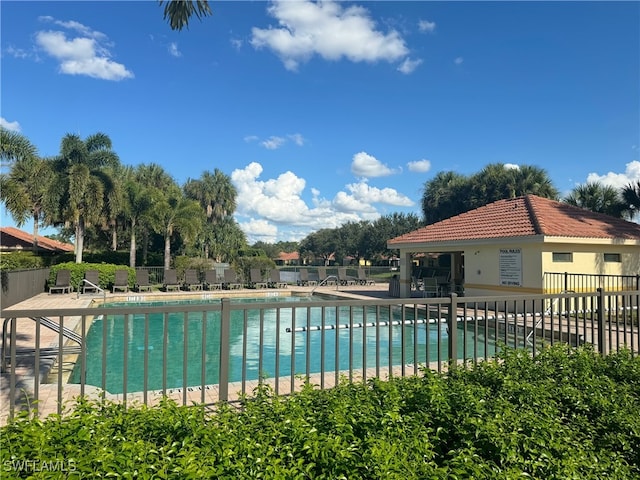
(225, 328)
(601, 325)
(452, 321)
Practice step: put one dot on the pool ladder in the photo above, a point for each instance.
(44, 352)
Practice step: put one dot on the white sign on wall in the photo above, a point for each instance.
(510, 265)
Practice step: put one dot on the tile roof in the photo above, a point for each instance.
(523, 216)
(27, 238)
(288, 256)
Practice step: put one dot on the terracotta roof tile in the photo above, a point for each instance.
(43, 242)
(523, 216)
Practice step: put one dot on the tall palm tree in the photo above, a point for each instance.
(24, 191)
(155, 180)
(174, 213)
(14, 146)
(631, 197)
(178, 12)
(216, 195)
(82, 182)
(598, 198)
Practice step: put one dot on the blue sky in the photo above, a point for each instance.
(323, 113)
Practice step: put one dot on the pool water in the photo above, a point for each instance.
(355, 346)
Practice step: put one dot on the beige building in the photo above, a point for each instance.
(507, 247)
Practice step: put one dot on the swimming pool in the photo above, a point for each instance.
(260, 344)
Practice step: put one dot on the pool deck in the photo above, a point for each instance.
(48, 392)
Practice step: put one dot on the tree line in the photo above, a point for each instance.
(91, 197)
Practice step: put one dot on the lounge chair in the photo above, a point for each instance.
(363, 279)
(274, 280)
(256, 279)
(304, 279)
(142, 281)
(430, 287)
(121, 281)
(325, 279)
(63, 282)
(91, 282)
(231, 280)
(191, 280)
(345, 279)
(211, 280)
(170, 280)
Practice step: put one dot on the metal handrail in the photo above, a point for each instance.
(83, 281)
(324, 282)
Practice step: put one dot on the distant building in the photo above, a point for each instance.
(13, 240)
(288, 258)
(506, 247)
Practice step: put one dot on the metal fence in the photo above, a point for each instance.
(18, 285)
(555, 282)
(217, 351)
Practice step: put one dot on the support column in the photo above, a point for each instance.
(406, 267)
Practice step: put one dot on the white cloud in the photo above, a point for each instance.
(16, 52)
(273, 143)
(236, 43)
(427, 26)
(259, 230)
(365, 165)
(419, 166)
(362, 191)
(12, 126)
(77, 26)
(458, 60)
(408, 65)
(328, 30)
(87, 54)
(173, 50)
(511, 166)
(297, 139)
(618, 180)
(274, 205)
(251, 138)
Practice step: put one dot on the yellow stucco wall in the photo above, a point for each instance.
(482, 263)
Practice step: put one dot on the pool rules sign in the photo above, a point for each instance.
(510, 265)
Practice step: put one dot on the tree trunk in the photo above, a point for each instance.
(114, 236)
(79, 239)
(132, 248)
(145, 246)
(35, 233)
(167, 251)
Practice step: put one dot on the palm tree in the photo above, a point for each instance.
(174, 213)
(24, 191)
(444, 196)
(228, 239)
(155, 180)
(178, 12)
(631, 197)
(14, 146)
(496, 182)
(82, 182)
(216, 195)
(598, 198)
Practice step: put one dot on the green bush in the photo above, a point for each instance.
(106, 273)
(22, 261)
(565, 414)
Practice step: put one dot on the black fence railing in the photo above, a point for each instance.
(584, 282)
